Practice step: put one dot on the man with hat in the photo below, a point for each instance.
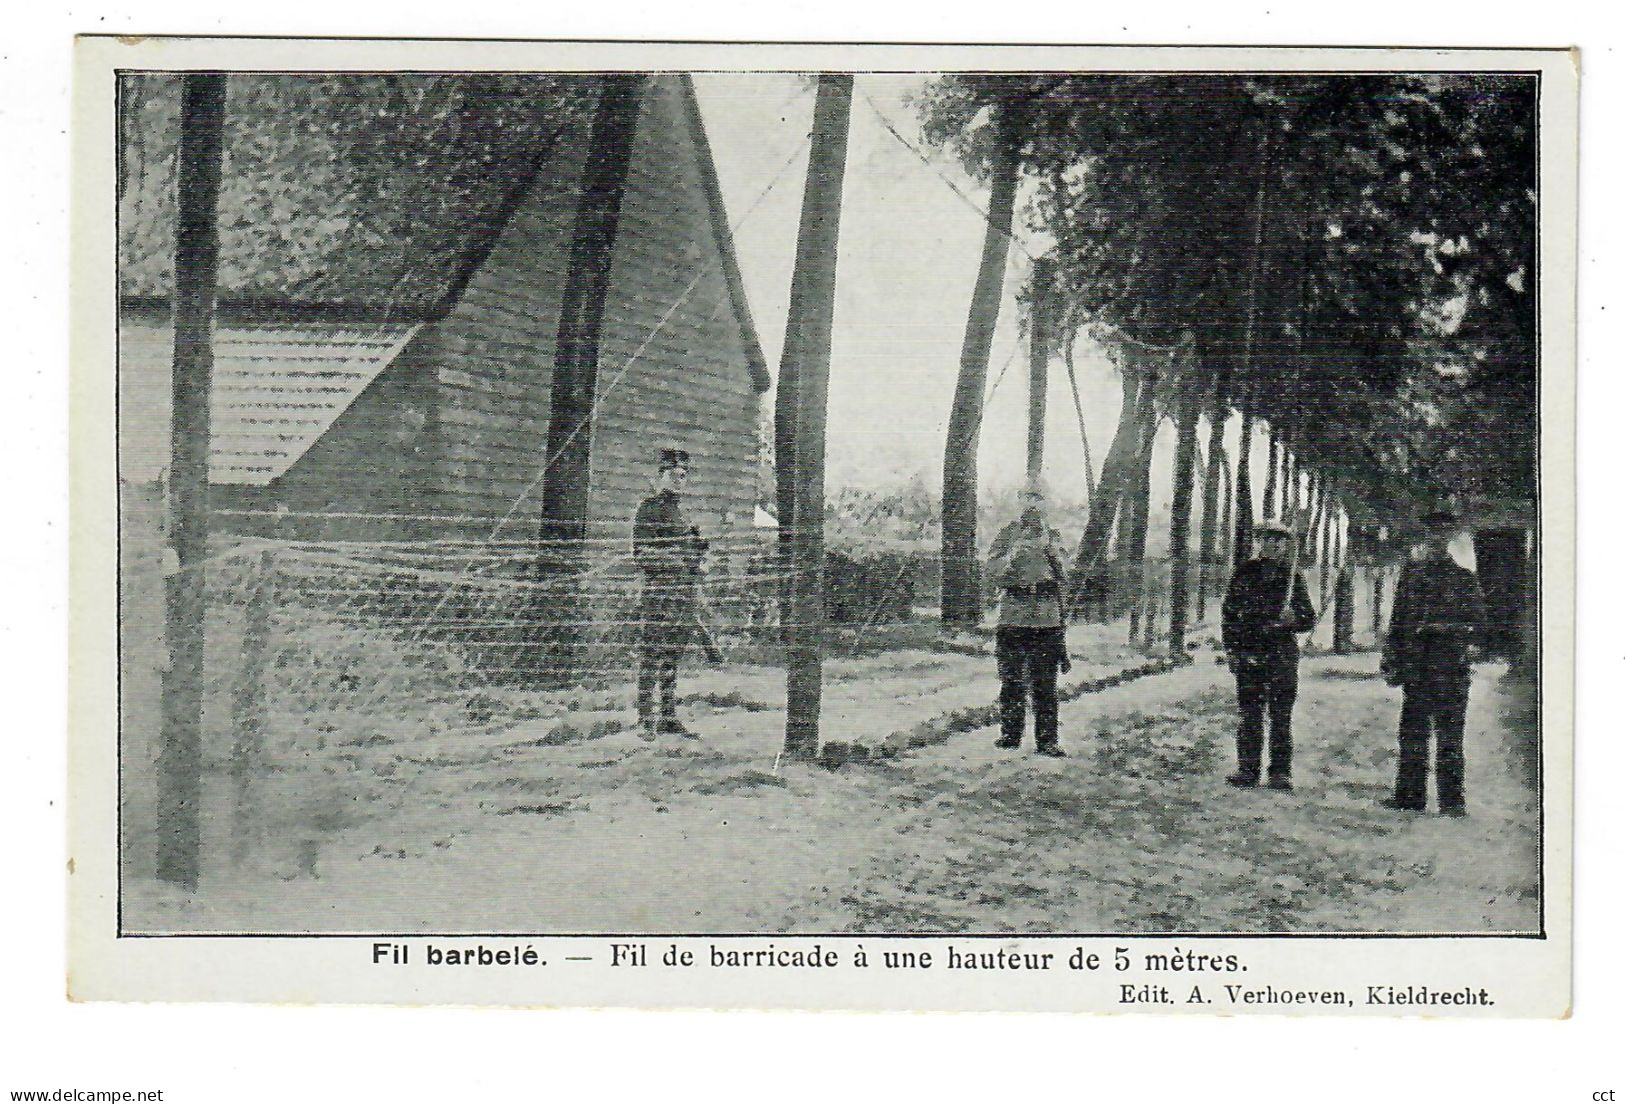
(669, 552)
(1265, 607)
(1438, 614)
(1025, 560)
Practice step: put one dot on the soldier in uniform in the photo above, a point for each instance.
(669, 552)
(1265, 608)
(1438, 613)
(1026, 561)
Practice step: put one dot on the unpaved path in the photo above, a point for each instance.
(1136, 832)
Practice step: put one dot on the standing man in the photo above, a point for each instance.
(669, 552)
(1026, 561)
(1265, 608)
(1438, 613)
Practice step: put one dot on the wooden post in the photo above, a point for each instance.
(180, 753)
(1038, 353)
(574, 387)
(812, 318)
(248, 708)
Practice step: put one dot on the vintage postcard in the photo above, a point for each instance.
(1043, 528)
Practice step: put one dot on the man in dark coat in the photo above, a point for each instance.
(1265, 608)
(669, 552)
(1025, 560)
(1438, 614)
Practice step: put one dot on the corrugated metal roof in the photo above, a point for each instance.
(277, 389)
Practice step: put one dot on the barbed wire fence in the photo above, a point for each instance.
(320, 652)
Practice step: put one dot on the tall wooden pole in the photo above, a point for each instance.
(180, 753)
(1038, 353)
(574, 386)
(812, 318)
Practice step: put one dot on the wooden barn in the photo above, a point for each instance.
(394, 253)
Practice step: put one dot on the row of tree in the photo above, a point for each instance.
(1344, 261)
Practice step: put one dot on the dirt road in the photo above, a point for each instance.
(1135, 832)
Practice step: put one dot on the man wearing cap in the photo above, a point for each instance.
(669, 552)
(1025, 560)
(1265, 607)
(1438, 614)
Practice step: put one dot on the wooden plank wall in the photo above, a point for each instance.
(690, 386)
(494, 356)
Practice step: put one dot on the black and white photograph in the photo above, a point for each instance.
(1046, 506)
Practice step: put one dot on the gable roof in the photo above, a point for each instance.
(350, 195)
(718, 210)
(368, 196)
(276, 389)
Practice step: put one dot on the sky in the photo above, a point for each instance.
(909, 250)
(910, 243)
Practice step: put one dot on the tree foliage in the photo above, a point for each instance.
(1355, 253)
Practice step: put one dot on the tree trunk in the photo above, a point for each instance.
(1343, 614)
(1179, 529)
(1139, 525)
(180, 752)
(1503, 571)
(1271, 480)
(1312, 505)
(961, 590)
(1226, 552)
(1243, 540)
(1116, 475)
(1083, 429)
(1328, 516)
(574, 389)
(813, 319)
(1379, 580)
(1292, 504)
(1038, 351)
(1210, 504)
